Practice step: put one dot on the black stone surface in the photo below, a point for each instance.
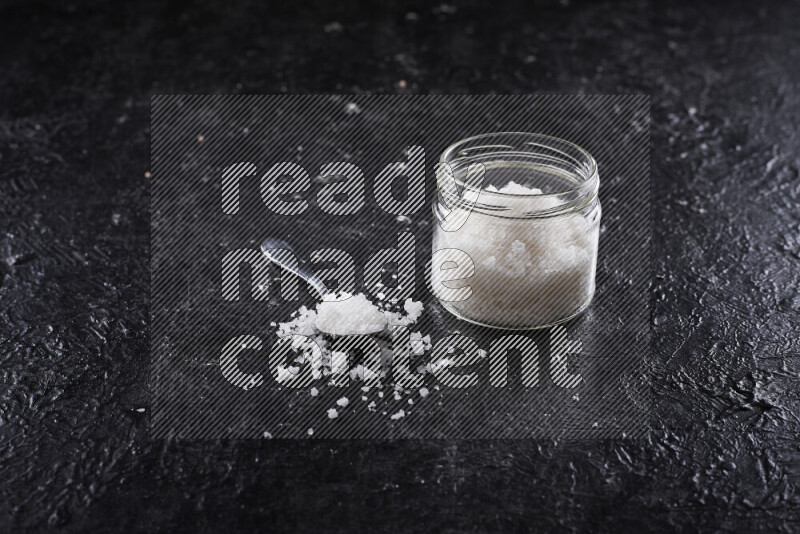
(75, 86)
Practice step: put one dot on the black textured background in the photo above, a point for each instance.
(75, 86)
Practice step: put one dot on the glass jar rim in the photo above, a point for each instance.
(590, 178)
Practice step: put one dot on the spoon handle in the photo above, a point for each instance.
(282, 254)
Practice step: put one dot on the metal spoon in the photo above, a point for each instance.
(283, 255)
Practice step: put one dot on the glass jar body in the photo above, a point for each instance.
(534, 258)
(527, 273)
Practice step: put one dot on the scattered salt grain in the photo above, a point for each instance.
(286, 373)
(398, 415)
(413, 309)
(310, 431)
(444, 9)
(419, 344)
(359, 372)
(347, 315)
(352, 109)
(440, 364)
(423, 392)
(343, 314)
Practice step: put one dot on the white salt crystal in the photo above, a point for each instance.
(441, 363)
(310, 431)
(527, 271)
(413, 309)
(286, 373)
(513, 188)
(359, 372)
(342, 314)
(398, 415)
(423, 392)
(355, 315)
(333, 27)
(417, 346)
(352, 109)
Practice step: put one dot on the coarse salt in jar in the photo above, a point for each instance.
(518, 217)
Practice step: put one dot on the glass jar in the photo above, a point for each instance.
(530, 230)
